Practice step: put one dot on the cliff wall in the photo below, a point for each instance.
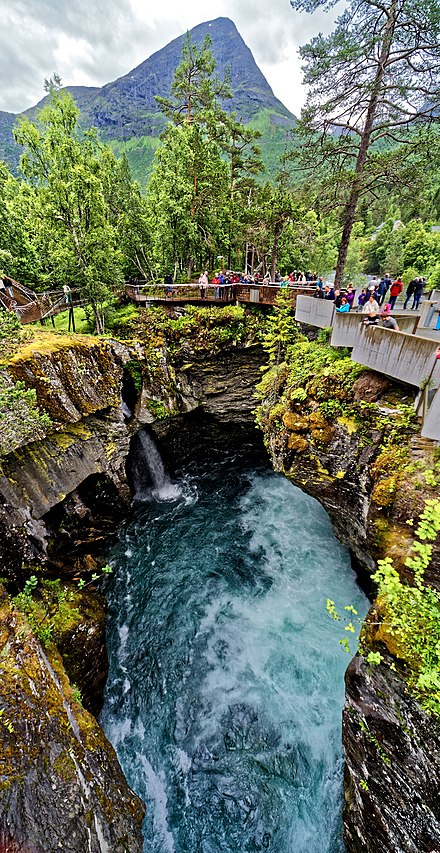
(61, 498)
(348, 439)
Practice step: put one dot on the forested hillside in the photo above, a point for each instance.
(127, 115)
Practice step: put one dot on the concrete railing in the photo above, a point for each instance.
(348, 328)
(315, 312)
(429, 312)
(431, 423)
(403, 355)
(408, 358)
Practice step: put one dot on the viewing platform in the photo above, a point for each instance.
(230, 294)
(408, 355)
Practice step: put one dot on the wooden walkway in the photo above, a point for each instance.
(223, 294)
(31, 307)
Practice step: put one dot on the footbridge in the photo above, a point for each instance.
(213, 294)
(30, 306)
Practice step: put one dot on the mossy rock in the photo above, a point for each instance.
(297, 443)
(295, 422)
(56, 764)
(384, 492)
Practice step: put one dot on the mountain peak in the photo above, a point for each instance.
(126, 109)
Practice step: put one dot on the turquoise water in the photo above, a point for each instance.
(226, 679)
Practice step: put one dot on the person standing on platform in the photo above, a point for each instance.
(396, 290)
(418, 293)
(203, 282)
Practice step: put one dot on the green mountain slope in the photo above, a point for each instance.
(127, 116)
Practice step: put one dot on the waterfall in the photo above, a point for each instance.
(150, 479)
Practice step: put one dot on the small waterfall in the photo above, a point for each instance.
(150, 480)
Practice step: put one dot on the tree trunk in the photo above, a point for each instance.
(356, 188)
(99, 325)
(274, 254)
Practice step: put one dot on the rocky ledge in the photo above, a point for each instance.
(62, 789)
(392, 754)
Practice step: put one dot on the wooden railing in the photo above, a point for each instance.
(31, 307)
(257, 294)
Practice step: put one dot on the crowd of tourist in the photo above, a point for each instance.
(376, 300)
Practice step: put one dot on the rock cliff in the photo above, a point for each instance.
(61, 498)
(392, 753)
(61, 787)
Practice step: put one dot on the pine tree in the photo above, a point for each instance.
(374, 82)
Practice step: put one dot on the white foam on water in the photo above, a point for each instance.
(123, 631)
(184, 765)
(156, 788)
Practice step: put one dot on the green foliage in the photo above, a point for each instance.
(411, 612)
(134, 368)
(197, 330)
(50, 606)
(96, 576)
(186, 199)
(409, 250)
(11, 332)
(367, 81)
(71, 192)
(36, 617)
(76, 694)
(282, 328)
(20, 418)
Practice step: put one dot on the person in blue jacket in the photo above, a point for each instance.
(344, 306)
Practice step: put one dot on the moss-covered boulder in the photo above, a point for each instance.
(72, 376)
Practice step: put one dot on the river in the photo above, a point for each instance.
(226, 680)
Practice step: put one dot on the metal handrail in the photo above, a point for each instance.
(298, 284)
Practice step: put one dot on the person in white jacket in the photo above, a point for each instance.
(370, 306)
(203, 282)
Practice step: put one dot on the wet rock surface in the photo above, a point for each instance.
(392, 752)
(81, 642)
(63, 788)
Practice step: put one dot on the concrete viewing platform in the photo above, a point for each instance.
(408, 355)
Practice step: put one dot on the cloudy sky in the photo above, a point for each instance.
(91, 42)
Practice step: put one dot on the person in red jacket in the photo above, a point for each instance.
(396, 288)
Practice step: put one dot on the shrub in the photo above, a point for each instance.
(20, 418)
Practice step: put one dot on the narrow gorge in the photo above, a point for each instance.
(219, 687)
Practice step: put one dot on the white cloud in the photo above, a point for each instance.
(91, 42)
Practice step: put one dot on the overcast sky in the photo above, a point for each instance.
(91, 42)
